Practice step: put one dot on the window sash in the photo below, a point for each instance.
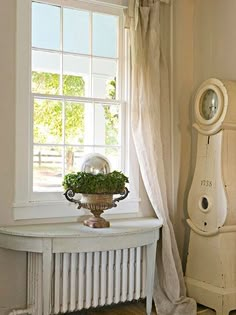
(64, 98)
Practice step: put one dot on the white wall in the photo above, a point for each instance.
(12, 265)
(214, 40)
(7, 114)
(182, 90)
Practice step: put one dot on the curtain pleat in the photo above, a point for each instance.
(149, 92)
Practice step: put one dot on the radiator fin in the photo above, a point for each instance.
(84, 280)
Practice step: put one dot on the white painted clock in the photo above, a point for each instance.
(211, 263)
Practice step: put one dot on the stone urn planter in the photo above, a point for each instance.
(97, 204)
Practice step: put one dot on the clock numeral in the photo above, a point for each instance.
(206, 183)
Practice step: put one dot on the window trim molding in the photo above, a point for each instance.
(23, 99)
(86, 4)
(23, 207)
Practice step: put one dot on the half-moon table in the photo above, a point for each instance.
(72, 266)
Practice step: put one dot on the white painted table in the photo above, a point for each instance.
(129, 240)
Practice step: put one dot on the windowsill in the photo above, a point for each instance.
(63, 209)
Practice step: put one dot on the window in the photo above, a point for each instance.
(76, 91)
(72, 99)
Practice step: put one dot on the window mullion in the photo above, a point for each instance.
(61, 54)
(94, 126)
(121, 93)
(63, 137)
(91, 53)
(61, 92)
(49, 50)
(75, 145)
(31, 164)
(81, 99)
(91, 77)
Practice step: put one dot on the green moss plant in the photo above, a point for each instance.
(87, 183)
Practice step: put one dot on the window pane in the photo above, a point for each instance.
(104, 66)
(89, 124)
(105, 35)
(76, 76)
(47, 175)
(104, 87)
(74, 125)
(107, 125)
(113, 155)
(47, 121)
(76, 31)
(45, 26)
(74, 157)
(45, 72)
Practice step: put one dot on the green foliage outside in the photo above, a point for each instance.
(81, 182)
(112, 121)
(49, 83)
(48, 126)
(111, 118)
(111, 89)
(48, 113)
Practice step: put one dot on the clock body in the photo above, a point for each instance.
(211, 262)
(212, 196)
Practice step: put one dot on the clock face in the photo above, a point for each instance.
(209, 104)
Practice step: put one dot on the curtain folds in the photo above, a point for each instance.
(149, 90)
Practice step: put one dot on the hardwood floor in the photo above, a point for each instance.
(133, 308)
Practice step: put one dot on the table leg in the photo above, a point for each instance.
(47, 275)
(151, 259)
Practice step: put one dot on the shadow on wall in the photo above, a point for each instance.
(186, 170)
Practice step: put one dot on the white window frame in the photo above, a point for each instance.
(25, 207)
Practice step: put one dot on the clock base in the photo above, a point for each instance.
(211, 271)
(220, 299)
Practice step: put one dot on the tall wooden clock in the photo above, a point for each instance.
(211, 263)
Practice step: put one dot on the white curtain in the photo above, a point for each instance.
(149, 88)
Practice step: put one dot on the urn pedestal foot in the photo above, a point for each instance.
(94, 222)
